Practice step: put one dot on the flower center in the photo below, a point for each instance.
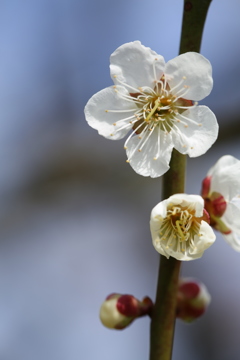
(160, 110)
(179, 228)
(159, 107)
(181, 222)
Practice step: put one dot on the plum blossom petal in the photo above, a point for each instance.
(198, 72)
(136, 65)
(226, 161)
(221, 193)
(179, 227)
(152, 159)
(233, 239)
(225, 177)
(97, 114)
(232, 215)
(203, 240)
(196, 131)
(155, 102)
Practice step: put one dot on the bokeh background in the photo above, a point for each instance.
(73, 215)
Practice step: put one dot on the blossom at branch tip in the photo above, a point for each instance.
(118, 311)
(193, 299)
(156, 102)
(179, 227)
(221, 193)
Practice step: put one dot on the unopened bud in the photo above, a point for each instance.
(206, 186)
(193, 299)
(215, 204)
(218, 204)
(118, 311)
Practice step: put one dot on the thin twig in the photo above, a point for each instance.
(163, 316)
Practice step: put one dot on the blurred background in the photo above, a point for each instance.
(73, 215)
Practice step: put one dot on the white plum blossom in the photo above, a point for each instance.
(156, 102)
(179, 227)
(221, 192)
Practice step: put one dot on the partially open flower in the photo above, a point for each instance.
(193, 299)
(179, 227)
(221, 192)
(118, 311)
(156, 102)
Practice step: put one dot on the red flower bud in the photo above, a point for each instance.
(192, 300)
(206, 186)
(218, 204)
(118, 311)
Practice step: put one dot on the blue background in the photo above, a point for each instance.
(73, 215)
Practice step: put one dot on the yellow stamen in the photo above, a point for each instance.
(178, 222)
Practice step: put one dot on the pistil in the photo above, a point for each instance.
(157, 103)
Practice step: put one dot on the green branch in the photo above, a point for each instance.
(163, 316)
(194, 16)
